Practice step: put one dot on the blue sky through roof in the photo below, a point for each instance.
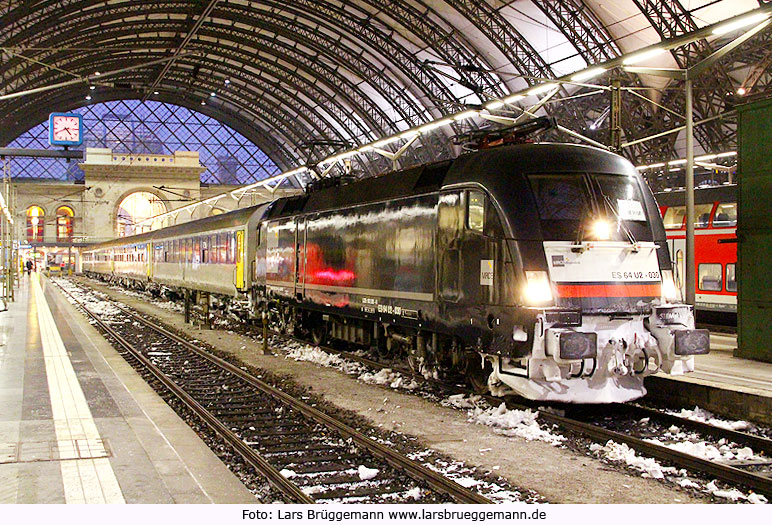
(131, 126)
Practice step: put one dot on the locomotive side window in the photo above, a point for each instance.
(726, 215)
(731, 279)
(674, 217)
(475, 211)
(710, 278)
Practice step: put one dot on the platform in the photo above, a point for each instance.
(722, 383)
(78, 425)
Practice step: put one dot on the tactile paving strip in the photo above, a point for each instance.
(54, 450)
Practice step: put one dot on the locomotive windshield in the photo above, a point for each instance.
(567, 202)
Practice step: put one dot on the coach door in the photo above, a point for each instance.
(240, 259)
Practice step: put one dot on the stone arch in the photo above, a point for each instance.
(135, 205)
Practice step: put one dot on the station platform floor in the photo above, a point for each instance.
(79, 425)
(728, 385)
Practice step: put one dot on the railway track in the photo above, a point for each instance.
(307, 455)
(754, 474)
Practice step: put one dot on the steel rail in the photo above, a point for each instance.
(758, 443)
(723, 472)
(727, 473)
(395, 459)
(259, 463)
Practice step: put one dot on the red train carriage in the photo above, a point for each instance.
(715, 243)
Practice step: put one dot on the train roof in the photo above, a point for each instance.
(230, 219)
(704, 195)
(492, 168)
(501, 170)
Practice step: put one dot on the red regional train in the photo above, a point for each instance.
(715, 241)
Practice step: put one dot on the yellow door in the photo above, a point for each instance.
(240, 259)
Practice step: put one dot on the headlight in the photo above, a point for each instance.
(601, 230)
(537, 289)
(669, 291)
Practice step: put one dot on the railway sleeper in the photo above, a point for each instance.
(289, 449)
(366, 490)
(318, 459)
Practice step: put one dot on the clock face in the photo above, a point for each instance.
(65, 128)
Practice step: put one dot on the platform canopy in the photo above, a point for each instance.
(304, 79)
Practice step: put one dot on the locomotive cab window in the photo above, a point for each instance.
(710, 278)
(475, 211)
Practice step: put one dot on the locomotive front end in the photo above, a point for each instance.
(605, 312)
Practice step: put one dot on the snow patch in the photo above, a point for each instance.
(367, 473)
(513, 423)
(705, 416)
(619, 452)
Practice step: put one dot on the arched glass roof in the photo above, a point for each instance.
(131, 126)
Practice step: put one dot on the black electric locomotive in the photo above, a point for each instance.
(536, 268)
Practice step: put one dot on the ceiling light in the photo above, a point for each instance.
(643, 56)
(92, 88)
(88, 97)
(466, 115)
(385, 141)
(155, 92)
(542, 88)
(741, 91)
(434, 125)
(203, 103)
(588, 74)
(227, 81)
(213, 94)
(97, 73)
(740, 23)
(513, 98)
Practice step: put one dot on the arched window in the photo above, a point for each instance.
(64, 217)
(134, 209)
(35, 223)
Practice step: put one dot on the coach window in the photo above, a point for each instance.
(731, 280)
(702, 215)
(475, 211)
(204, 250)
(709, 277)
(726, 215)
(674, 217)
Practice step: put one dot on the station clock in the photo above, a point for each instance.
(65, 129)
